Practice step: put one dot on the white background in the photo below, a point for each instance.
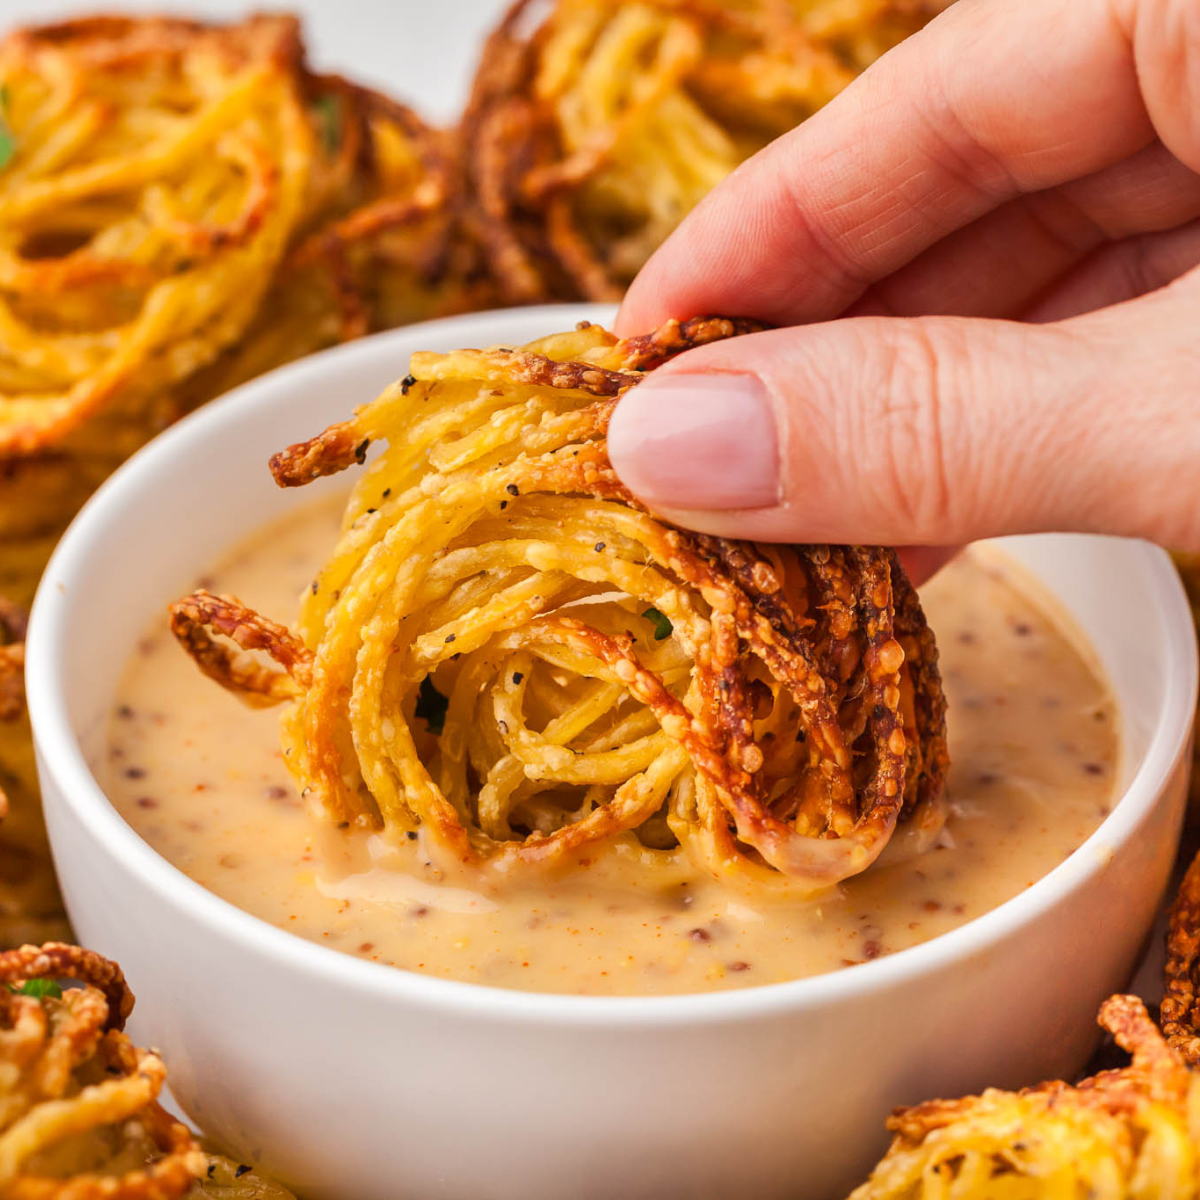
(420, 51)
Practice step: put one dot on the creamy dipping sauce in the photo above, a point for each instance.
(201, 778)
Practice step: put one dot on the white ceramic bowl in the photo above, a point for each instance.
(361, 1082)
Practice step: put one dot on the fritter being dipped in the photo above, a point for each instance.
(508, 657)
(591, 133)
(1128, 1134)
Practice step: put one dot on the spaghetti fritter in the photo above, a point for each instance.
(79, 1115)
(1181, 1001)
(1128, 1134)
(591, 136)
(159, 171)
(182, 206)
(508, 657)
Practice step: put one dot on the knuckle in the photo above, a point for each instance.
(913, 426)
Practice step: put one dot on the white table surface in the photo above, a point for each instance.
(420, 51)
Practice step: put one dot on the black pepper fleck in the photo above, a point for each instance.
(406, 383)
(512, 489)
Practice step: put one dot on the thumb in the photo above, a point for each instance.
(928, 431)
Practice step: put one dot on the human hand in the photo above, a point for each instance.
(984, 252)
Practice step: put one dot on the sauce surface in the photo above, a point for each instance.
(201, 778)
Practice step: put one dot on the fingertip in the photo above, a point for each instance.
(648, 303)
(697, 441)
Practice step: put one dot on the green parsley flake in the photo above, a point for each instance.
(662, 623)
(40, 988)
(8, 143)
(328, 112)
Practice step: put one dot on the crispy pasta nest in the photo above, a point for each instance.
(1181, 998)
(182, 206)
(79, 1117)
(1127, 1134)
(508, 657)
(30, 907)
(79, 1111)
(591, 133)
(160, 168)
(165, 176)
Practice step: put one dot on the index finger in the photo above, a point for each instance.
(991, 100)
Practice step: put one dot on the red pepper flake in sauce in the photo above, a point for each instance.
(147, 802)
(739, 966)
(700, 935)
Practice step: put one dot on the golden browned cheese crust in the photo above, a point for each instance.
(1124, 1133)
(595, 126)
(778, 707)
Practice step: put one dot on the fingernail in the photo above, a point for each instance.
(697, 442)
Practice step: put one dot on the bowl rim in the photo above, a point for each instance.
(60, 756)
